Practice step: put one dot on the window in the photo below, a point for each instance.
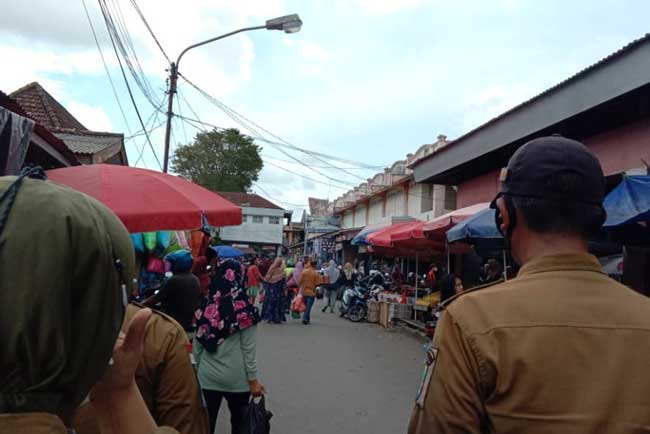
(258, 219)
(274, 220)
(450, 197)
(426, 199)
(244, 218)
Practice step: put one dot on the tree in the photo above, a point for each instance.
(219, 160)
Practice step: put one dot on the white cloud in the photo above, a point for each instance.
(383, 7)
(93, 118)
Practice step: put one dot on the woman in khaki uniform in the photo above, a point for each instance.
(65, 260)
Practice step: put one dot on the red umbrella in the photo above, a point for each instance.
(381, 238)
(437, 227)
(146, 200)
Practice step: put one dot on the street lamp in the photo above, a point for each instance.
(288, 24)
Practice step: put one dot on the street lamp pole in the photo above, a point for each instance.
(288, 24)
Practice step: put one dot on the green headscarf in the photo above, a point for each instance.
(63, 259)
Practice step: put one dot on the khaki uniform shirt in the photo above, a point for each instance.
(43, 423)
(165, 377)
(560, 349)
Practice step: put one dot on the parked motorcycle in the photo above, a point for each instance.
(353, 303)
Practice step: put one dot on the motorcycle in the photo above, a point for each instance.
(353, 303)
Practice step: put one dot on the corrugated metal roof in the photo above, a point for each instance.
(574, 77)
(84, 143)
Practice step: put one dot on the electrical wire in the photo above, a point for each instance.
(110, 79)
(122, 39)
(269, 197)
(144, 20)
(285, 143)
(128, 87)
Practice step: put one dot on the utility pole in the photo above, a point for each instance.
(306, 225)
(173, 78)
(287, 24)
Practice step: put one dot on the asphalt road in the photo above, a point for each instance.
(334, 376)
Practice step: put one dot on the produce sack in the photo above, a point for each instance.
(149, 240)
(138, 242)
(258, 418)
(298, 304)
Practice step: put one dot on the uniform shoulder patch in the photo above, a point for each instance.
(450, 300)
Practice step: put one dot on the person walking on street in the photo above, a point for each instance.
(253, 280)
(332, 287)
(273, 309)
(309, 280)
(562, 348)
(225, 347)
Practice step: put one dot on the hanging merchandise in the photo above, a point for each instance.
(155, 265)
(173, 243)
(138, 242)
(162, 239)
(182, 240)
(149, 240)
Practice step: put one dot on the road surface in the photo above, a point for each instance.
(334, 376)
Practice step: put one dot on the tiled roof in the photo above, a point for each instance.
(46, 134)
(89, 142)
(248, 200)
(45, 109)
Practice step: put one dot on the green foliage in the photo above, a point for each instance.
(219, 161)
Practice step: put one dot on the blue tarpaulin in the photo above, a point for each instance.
(361, 239)
(479, 227)
(629, 202)
(227, 251)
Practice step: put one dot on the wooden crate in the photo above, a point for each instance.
(384, 318)
(373, 311)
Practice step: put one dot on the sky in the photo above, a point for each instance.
(367, 81)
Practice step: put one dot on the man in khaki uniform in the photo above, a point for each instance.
(560, 349)
(165, 377)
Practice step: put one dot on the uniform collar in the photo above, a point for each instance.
(577, 261)
(33, 423)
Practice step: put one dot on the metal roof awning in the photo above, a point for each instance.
(613, 77)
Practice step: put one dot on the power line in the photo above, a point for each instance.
(304, 176)
(110, 79)
(122, 39)
(277, 200)
(283, 142)
(144, 20)
(126, 81)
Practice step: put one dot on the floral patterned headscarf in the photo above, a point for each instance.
(226, 309)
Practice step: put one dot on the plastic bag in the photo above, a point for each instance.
(149, 240)
(138, 243)
(258, 418)
(298, 304)
(162, 239)
(155, 265)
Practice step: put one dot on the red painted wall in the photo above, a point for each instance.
(480, 189)
(622, 149)
(618, 150)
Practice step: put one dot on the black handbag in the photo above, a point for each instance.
(258, 418)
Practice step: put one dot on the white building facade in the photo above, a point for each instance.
(262, 224)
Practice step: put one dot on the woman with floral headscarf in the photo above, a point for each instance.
(273, 309)
(225, 346)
